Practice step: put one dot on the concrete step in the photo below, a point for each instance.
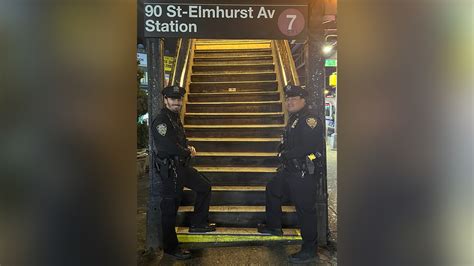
(231, 196)
(239, 179)
(234, 71)
(235, 131)
(249, 159)
(231, 41)
(236, 49)
(237, 216)
(234, 170)
(233, 86)
(234, 96)
(234, 107)
(236, 234)
(232, 60)
(238, 176)
(233, 118)
(232, 52)
(235, 144)
(219, 68)
(212, 77)
(229, 45)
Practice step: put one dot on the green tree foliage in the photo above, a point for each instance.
(142, 108)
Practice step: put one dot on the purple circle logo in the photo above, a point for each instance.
(291, 22)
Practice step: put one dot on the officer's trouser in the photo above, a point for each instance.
(302, 192)
(191, 178)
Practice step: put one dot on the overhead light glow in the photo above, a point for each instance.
(327, 49)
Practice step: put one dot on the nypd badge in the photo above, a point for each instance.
(311, 122)
(162, 129)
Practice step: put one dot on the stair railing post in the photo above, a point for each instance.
(315, 85)
(155, 58)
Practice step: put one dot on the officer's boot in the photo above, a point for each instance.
(264, 229)
(179, 254)
(303, 256)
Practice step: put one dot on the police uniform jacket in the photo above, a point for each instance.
(168, 135)
(303, 136)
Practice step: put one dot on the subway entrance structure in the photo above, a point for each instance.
(234, 58)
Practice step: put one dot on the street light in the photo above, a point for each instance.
(331, 42)
(327, 49)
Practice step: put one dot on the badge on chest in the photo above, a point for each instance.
(294, 123)
(162, 129)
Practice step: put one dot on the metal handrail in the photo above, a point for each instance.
(287, 63)
(294, 73)
(185, 71)
(299, 54)
(186, 63)
(282, 65)
(173, 75)
(183, 48)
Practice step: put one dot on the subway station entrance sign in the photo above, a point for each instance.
(256, 20)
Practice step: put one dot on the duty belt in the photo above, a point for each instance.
(305, 165)
(163, 166)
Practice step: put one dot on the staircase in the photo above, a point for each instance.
(234, 117)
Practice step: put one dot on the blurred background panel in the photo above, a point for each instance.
(405, 121)
(68, 134)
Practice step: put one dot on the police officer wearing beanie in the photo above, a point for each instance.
(172, 154)
(299, 154)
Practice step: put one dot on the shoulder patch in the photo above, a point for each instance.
(311, 122)
(162, 129)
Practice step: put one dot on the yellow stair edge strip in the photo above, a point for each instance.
(232, 46)
(234, 188)
(233, 93)
(256, 57)
(238, 231)
(234, 82)
(238, 154)
(235, 126)
(232, 65)
(231, 40)
(188, 238)
(237, 139)
(214, 73)
(236, 209)
(237, 169)
(223, 103)
(235, 114)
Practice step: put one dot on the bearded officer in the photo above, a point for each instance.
(172, 154)
(299, 153)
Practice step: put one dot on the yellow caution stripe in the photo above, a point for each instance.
(201, 238)
(229, 234)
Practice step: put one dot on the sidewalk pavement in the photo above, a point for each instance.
(269, 254)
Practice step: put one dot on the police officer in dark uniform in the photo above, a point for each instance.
(172, 154)
(299, 153)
